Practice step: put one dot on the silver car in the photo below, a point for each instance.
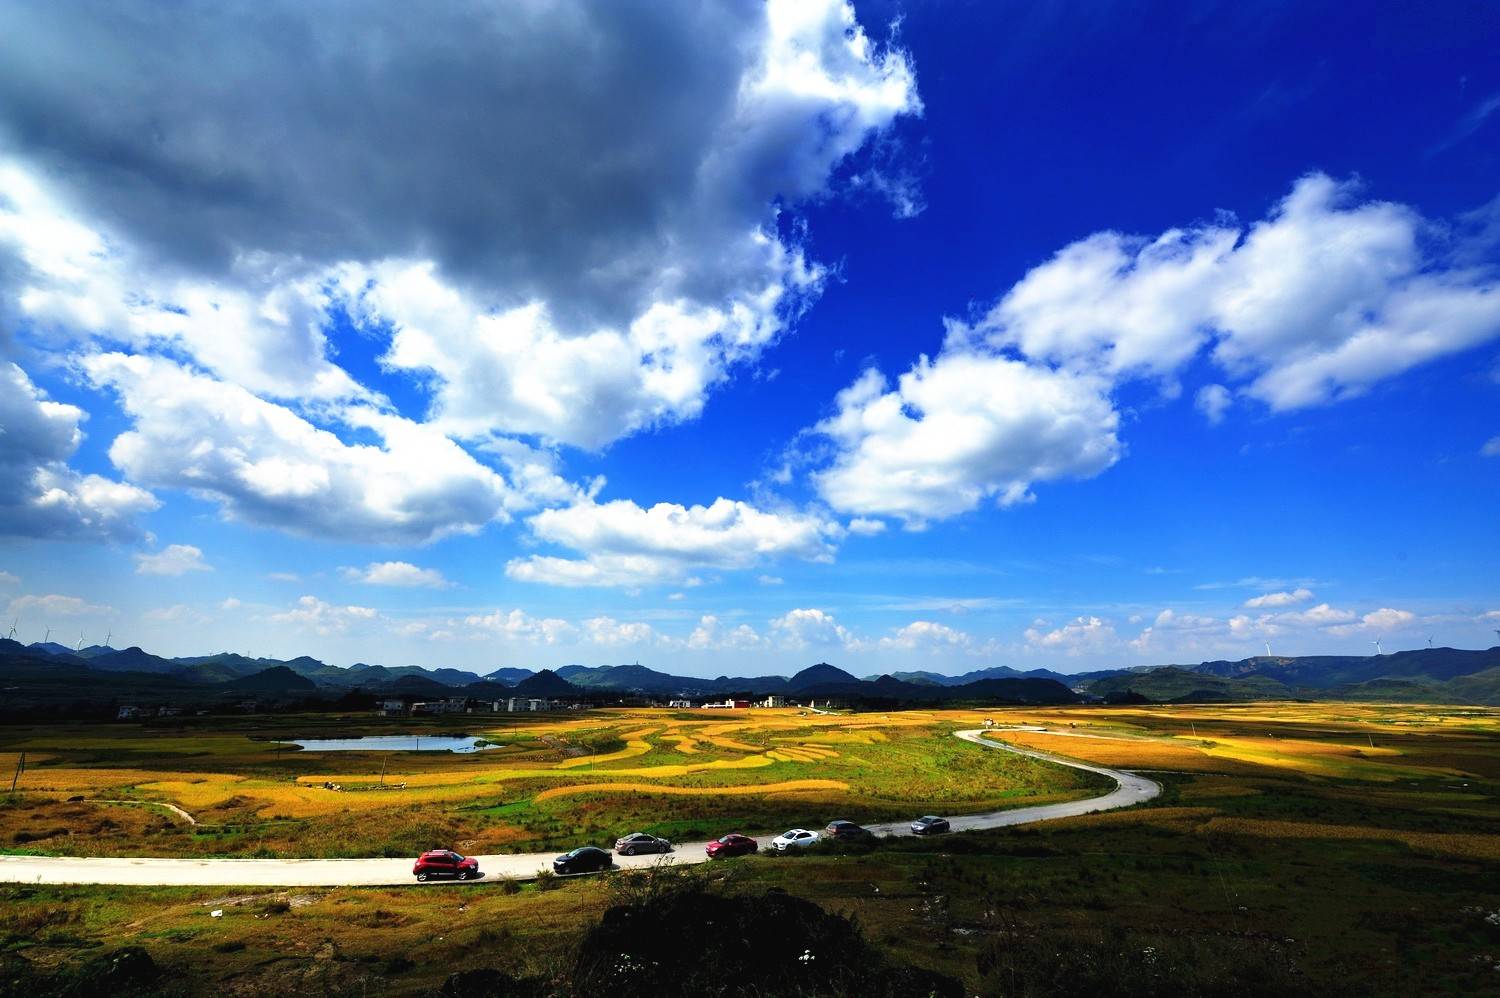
(629, 845)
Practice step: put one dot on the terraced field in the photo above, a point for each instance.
(545, 782)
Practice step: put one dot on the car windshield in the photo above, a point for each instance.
(929, 819)
(456, 857)
(727, 839)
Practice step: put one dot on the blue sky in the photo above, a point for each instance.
(925, 335)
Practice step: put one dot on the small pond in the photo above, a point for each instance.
(394, 743)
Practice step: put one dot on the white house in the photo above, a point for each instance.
(773, 701)
(682, 704)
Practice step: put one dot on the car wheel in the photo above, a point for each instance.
(463, 874)
(422, 878)
(630, 850)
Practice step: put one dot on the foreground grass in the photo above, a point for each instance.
(550, 783)
(1355, 851)
(1196, 895)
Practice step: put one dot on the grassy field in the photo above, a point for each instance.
(548, 782)
(1321, 850)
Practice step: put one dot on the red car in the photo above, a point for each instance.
(437, 863)
(734, 844)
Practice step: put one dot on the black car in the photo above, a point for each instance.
(589, 859)
(929, 824)
(845, 830)
(629, 845)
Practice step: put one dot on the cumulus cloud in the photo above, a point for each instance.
(611, 633)
(961, 429)
(1268, 600)
(75, 282)
(1177, 630)
(175, 559)
(1316, 302)
(865, 527)
(1321, 615)
(265, 464)
(1213, 401)
(712, 634)
(40, 496)
(801, 628)
(396, 573)
(324, 618)
(627, 545)
(56, 605)
(1491, 447)
(1387, 619)
(925, 634)
(1075, 637)
(546, 259)
(517, 625)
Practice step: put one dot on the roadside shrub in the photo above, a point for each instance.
(774, 944)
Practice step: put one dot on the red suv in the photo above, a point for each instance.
(732, 845)
(445, 863)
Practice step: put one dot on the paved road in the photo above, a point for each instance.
(1130, 789)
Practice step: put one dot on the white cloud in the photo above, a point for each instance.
(1280, 599)
(230, 603)
(179, 613)
(769, 580)
(1491, 447)
(175, 559)
(1176, 630)
(1386, 619)
(283, 576)
(517, 625)
(396, 573)
(1316, 302)
(865, 527)
(8, 580)
(1321, 615)
(927, 635)
(711, 634)
(627, 545)
(324, 618)
(56, 605)
(1213, 401)
(610, 633)
(40, 496)
(547, 259)
(265, 464)
(961, 429)
(803, 627)
(1075, 637)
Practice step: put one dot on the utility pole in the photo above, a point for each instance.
(20, 768)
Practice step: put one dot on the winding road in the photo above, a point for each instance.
(159, 872)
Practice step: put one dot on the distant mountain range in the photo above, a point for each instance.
(1426, 675)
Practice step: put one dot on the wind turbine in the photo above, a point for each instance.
(107, 637)
(48, 637)
(1429, 641)
(1497, 632)
(1378, 650)
(12, 634)
(1268, 649)
(80, 641)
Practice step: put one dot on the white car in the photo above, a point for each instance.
(798, 838)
